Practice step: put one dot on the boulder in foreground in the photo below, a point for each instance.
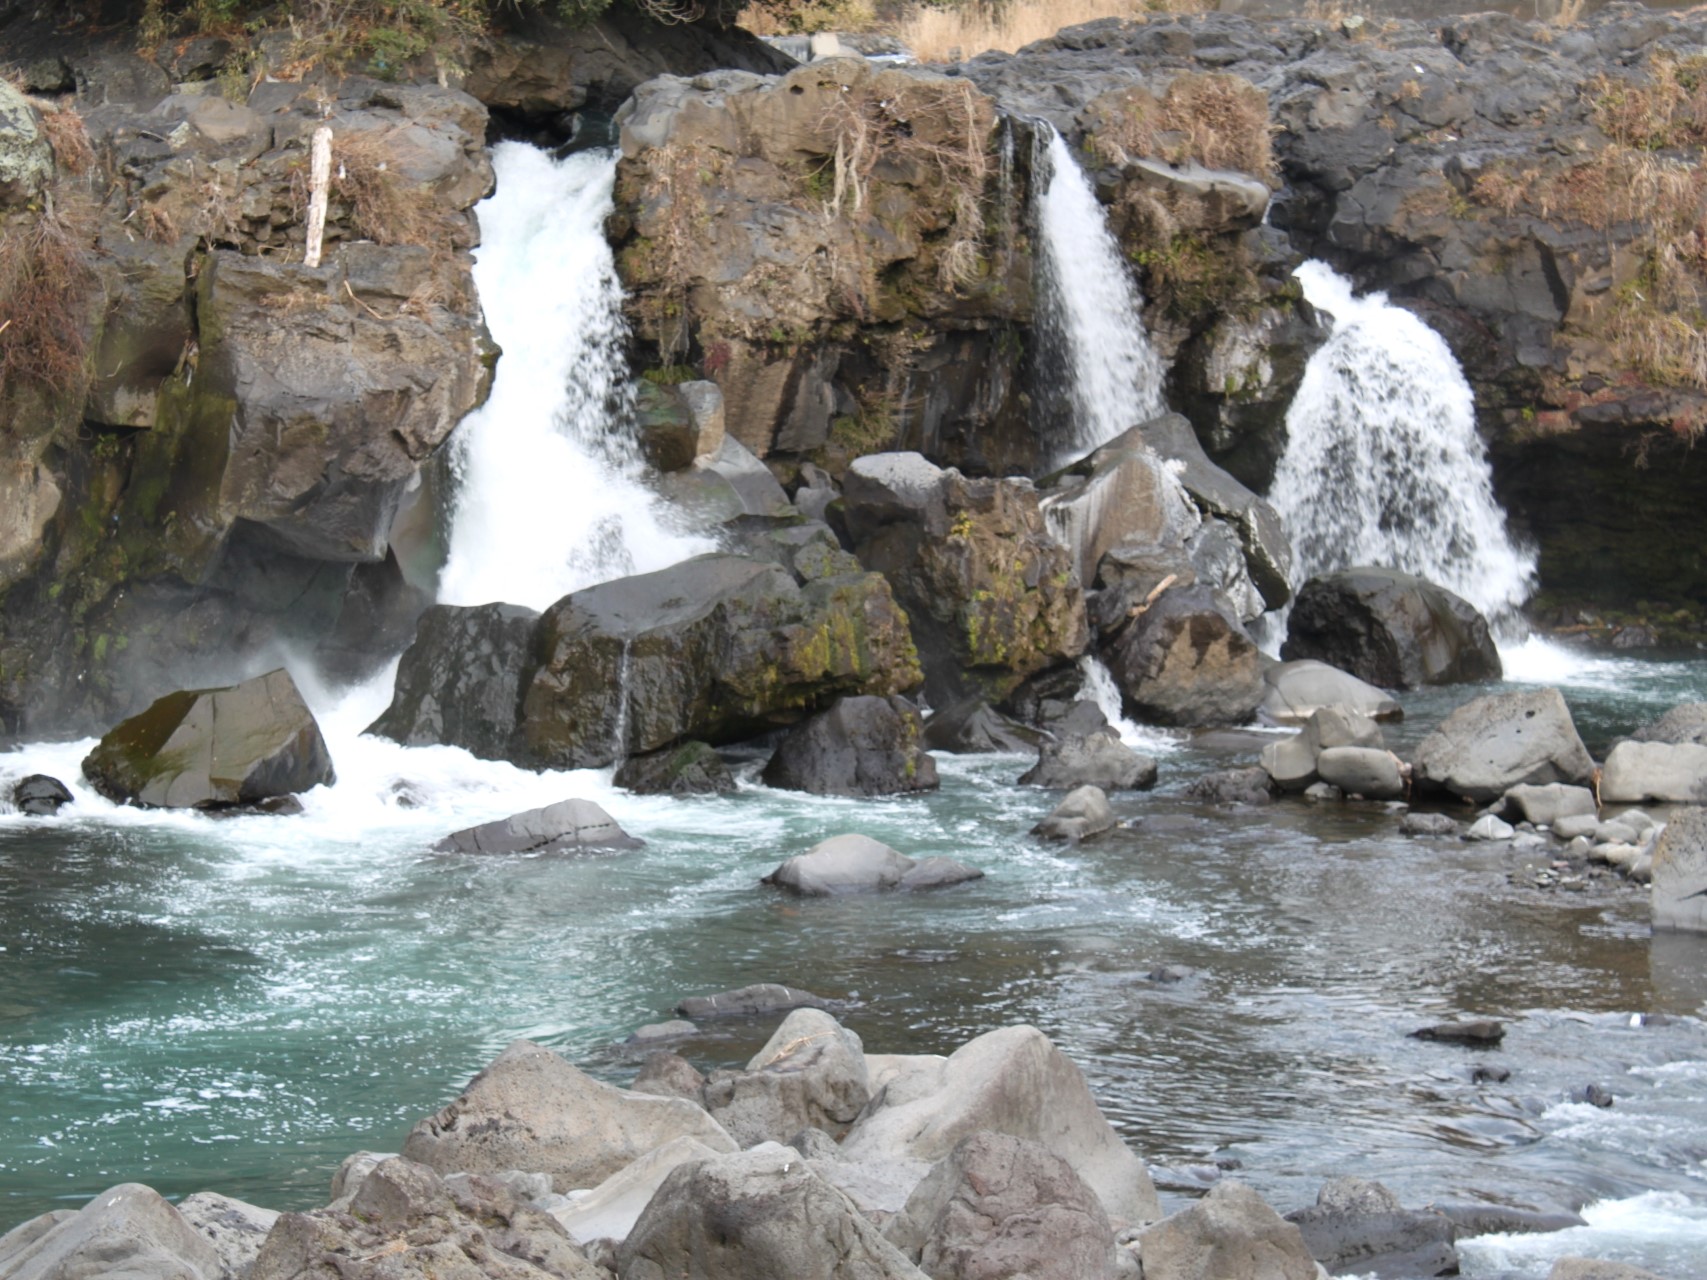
(1490, 745)
(1003, 1206)
(214, 748)
(1230, 1234)
(569, 826)
(761, 1214)
(1390, 628)
(1670, 773)
(533, 1110)
(857, 864)
(129, 1231)
(1679, 893)
(811, 1074)
(1011, 1081)
(1083, 815)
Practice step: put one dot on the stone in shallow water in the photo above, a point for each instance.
(213, 748)
(1084, 813)
(1494, 743)
(568, 826)
(855, 863)
(751, 1001)
(1481, 1032)
(40, 796)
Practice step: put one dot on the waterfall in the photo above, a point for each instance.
(1088, 308)
(1383, 465)
(548, 492)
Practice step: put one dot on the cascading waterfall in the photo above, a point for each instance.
(1088, 308)
(548, 495)
(1383, 465)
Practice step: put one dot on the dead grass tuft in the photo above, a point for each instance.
(1218, 120)
(1668, 110)
(67, 135)
(382, 205)
(47, 276)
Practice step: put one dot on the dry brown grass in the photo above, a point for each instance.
(1218, 120)
(1667, 110)
(47, 275)
(951, 35)
(67, 135)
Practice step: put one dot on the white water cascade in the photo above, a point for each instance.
(548, 495)
(1383, 465)
(1088, 308)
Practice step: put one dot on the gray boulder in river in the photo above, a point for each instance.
(1679, 893)
(1298, 689)
(861, 746)
(1667, 772)
(1390, 628)
(214, 748)
(1233, 1226)
(569, 826)
(1086, 751)
(1184, 658)
(856, 863)
(1494, 743)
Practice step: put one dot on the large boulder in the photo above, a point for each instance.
(1359, 1226)
(532, 1110)
(404, 1222)
(1011, 1081)
(1297, 690)
(1230, 1234)
(1122, 494)
(214, 748)
(689, 769)
(811, 1074)
(1086, 751)
(1183, 658)
(719, 647)
(991, 595)
(862, 746)
(1262, 537)
(1686, 722)
(859, 864)
(759, 999)
(1390, 628)
(1546, 805)
(1369, 772)
(235, 1229)
(1494, 743)
(1083, 815)
(972, 727)
(1679, 892)
(129, 1231)
(997, 1205)
(459, 681)
(762, 1214)
(1671, 773)
(569, 826)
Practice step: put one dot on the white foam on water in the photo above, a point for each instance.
(1383, 465)
(548, 495)
(1101, 689)
(1091, 306)
(1664, 1231)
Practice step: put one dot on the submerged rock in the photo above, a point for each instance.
(748, 1002)
(691, 769)
(532, 1110)
(1481, 1033)
(1358, 1226)
(856, 863)
(1488, 746)
(1390, 628)
(40, 795)
(214, 748)
(1233, 786)
(865, 746)
(973, 727)
(569, 826)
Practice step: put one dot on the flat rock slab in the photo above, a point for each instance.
(858, 864)
(749, 1002)
(569, 826)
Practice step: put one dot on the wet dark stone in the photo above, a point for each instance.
(1481, 1033)
(747, 1002)
(40, 795)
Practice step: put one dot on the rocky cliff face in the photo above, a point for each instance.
(214, 453)
(1531, 189)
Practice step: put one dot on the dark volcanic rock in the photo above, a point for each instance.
(459, 683)
(867, 746)
(1251, 786)
(1086, 750)
(1390, 628)
(1185, 659)
(972, 727)
(719, 647)
(691, 769)
(1361, 1227)
(1481, 1033)
(40, 795)
(212, 748)
(569, 826)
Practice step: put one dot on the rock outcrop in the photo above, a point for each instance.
(214, 748)
(459, 681)
(1391, 629)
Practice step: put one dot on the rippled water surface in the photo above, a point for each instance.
(237, 1005)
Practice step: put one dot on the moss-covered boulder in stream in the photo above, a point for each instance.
(718, 648)
(214, 748)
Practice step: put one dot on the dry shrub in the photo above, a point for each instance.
(46, 277)
(1668, 110)
(1218, 120)
(380, 204)
(67, 135)
(942, 130)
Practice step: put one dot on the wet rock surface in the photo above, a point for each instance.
(1391, 629)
